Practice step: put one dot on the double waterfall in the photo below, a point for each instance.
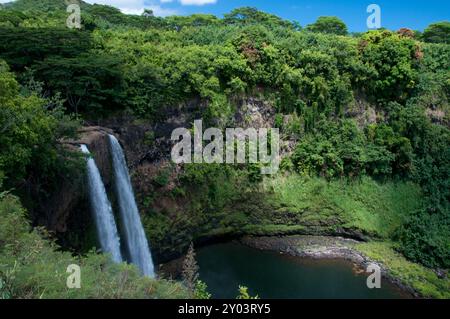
(136, 247)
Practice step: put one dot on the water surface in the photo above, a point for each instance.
(223, 267)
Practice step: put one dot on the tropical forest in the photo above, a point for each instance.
(89, 100)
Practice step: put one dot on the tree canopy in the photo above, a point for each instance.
(437, 32)
(332, 25)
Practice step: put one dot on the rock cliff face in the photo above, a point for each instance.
(96, 139)
(147, 147)
(66, 211)
(156, 179)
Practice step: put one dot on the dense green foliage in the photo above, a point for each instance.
(342, 149)
(437, 32)
(369, 115)
(332, 25)
(32, 267)
(30, 128)
(424, 280)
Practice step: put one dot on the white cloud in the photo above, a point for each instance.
(125, 6)
(160, 11)
(135, 11)
(191, 2)
(136, 6)
(197, 2)
(118, 3)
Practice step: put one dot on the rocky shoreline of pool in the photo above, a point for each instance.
(323, 247)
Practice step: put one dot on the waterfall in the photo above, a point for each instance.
(101, 208)
(135, 239)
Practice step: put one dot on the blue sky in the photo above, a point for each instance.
(414, 14)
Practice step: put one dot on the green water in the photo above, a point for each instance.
(223, 267)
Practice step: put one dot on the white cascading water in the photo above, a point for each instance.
(135, 239)
(101, 208)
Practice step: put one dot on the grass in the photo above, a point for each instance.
(32, 266)
(273, 230)
(283, 205)
(423, 280)
(293, 204)
(372, 207)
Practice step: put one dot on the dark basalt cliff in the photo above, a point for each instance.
(147, 146)
(66, 212)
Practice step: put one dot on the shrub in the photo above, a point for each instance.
(34, 267)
